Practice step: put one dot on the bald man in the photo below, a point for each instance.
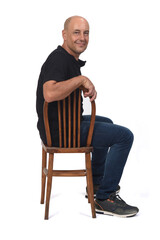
(60, 76)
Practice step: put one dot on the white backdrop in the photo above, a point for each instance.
(123, 59)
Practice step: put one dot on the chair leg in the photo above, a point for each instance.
(87, 189)
(90, 183)
(49, 184)
(43, 180)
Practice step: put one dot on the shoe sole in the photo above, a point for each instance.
(114, 214)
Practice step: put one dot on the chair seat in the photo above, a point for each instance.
(67, 150)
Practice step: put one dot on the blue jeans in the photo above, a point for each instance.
(111, 146)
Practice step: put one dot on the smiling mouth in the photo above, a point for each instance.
(81, 44)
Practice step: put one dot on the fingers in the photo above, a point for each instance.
(88, 93)
(92, 95)
(89, 89)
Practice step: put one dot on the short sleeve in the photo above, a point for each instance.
(55, 68)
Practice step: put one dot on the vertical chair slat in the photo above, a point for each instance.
(46, 124)
(59, 124)
(69, 121)
(91, 127)
(79, 116)
(64, 123)
(74, 119)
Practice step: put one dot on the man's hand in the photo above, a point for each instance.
(88, 89)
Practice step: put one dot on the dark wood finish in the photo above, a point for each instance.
(60, 125)
(49, 184)
(90, 183)
(66, 173)
(79, 117)
(69, 121)
(43, 181)
(70, 145)
(90, 132)
(64, 123)
(74, 120)
(67, 150)
(46, 124)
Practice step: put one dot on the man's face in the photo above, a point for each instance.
(76, 36)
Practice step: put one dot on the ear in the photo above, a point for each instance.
(64, 35)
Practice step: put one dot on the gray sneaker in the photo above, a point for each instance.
(115, 206)
(95, 189)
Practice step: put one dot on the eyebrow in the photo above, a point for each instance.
(78, 30)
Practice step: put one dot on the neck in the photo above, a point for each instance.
(76, 56)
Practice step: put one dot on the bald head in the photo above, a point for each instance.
(72, 19)
(75, 35)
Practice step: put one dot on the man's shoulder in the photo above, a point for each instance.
(57, 55)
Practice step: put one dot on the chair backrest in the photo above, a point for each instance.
(69, 136)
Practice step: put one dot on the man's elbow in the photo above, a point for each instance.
(48, 97)
(49, 92)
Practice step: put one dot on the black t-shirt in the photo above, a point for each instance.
(59, 66)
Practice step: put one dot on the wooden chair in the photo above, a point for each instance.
(75, 148)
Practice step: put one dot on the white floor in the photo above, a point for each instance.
(22, 215)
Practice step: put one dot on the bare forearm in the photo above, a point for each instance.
(54, 91)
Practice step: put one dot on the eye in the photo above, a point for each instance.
(86, 33)
(76, 32)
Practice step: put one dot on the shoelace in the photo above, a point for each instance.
(115, 196)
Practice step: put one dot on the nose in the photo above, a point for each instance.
(82, 37)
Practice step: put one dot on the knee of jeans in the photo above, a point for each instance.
(130, 136)
(110, 121)
(127, 136)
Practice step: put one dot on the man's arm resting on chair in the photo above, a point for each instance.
(55, 91)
